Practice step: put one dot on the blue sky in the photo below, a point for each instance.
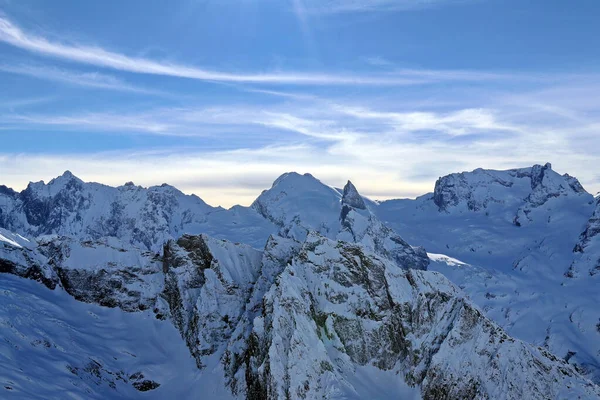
(220, 97)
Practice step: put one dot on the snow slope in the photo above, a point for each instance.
(54, 347)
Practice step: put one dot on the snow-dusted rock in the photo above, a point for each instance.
(336, 308)
(105, 271)
(352, 198)
(522, 189)
(207, 284)
(337, 305)
(70, 207)
(524, 271)
(19, 256)
(360, 226)
(299, 204)
(587, 250)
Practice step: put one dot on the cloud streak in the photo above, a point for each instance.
(319, 120)
(381, 168)
(86, 79)
(382, 151)
(12, 34)
(354, 6)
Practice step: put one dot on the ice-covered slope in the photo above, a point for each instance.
(562, 318)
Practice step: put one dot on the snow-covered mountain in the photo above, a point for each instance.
(513, 240)
(143, 217)
(311, 292)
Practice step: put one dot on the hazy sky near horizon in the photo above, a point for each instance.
(219, 98)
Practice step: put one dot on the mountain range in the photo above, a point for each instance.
(485, 288)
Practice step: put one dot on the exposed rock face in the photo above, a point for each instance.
(207, 284)
(587, 249)
(360, 226)
(352, 198)
(18, 256)
(592, 229)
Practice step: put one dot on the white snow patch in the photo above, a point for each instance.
(445, 259)
(7, 240)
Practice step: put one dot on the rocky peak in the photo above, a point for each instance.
(574, 183)
(352, 198)
(537, 174)
(5, 190)
(67, 178)
(69, 206)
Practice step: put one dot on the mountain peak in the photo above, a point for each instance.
(537, 174)
(66, 176)
(294, 177)
(352, 198)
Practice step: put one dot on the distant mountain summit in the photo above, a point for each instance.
(525, 188)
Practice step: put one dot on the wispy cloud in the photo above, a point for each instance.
(93, 121)
(455, 123)
(323, 120)
(13, 104)
(12, 34)
(380, 167)
(349, 6)
(86, 79)
(378, 61)
(92, 55)
(376, 149)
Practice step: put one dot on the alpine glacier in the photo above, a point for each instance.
(484, 289)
